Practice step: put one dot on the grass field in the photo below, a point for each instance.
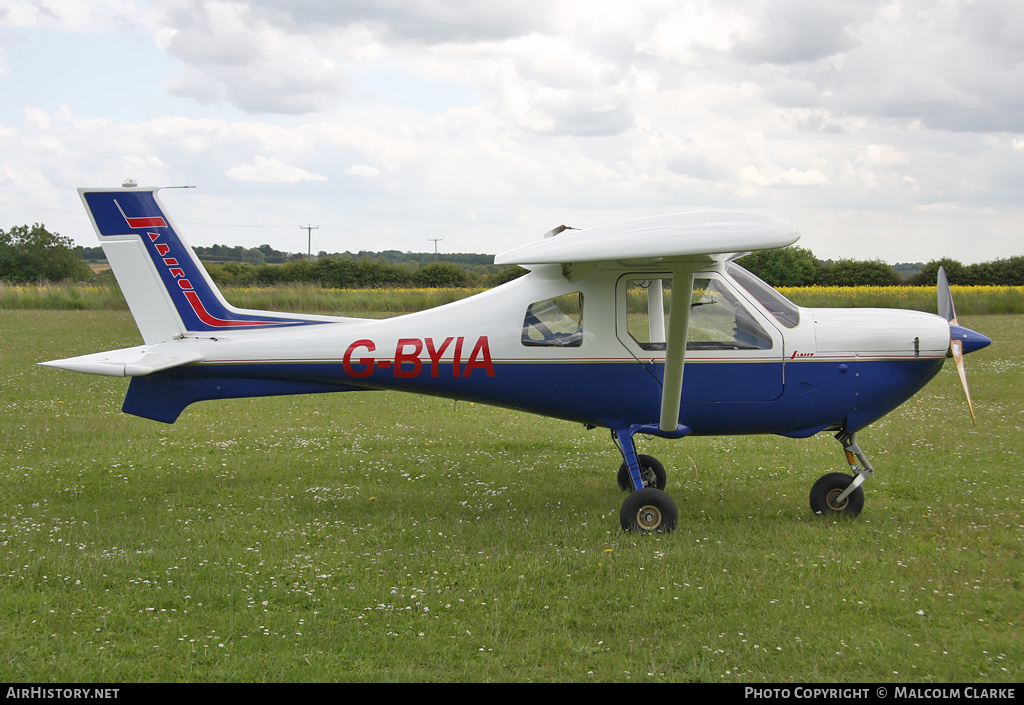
(377, 537)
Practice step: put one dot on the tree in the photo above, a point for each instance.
(855, 272)
(33, 254)
(441, 275)
(253, 256)
(336, 272)
(372, 273)
(788, 266)
(298, 270)
(1004, 272)
(955, 272)
(503, 275)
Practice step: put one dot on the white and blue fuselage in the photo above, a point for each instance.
(584, 336)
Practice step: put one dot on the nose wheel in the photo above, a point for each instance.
(838, 493)
(827, 495)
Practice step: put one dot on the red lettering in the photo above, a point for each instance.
(401, 357)
(457, 359)
(407, 362)
(162, 249)
(366, 362)
(185, 284)
(435, 355)
(177, 272)
(483, 350)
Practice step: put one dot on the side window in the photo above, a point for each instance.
(555, 322)
(718, 320)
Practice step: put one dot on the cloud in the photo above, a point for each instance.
(507, 118)
(233, 54)
(270, 170)
(419, 21)
(363, 170)
(952, 66)
(83, 15)
(798, 32)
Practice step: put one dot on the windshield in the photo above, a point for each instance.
(785, 311)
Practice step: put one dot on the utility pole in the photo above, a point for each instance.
(435, 241)
(309, 239)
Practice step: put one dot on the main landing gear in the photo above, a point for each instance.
(838, 493)
(648, 509)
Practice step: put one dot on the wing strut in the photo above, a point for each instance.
(675, 354)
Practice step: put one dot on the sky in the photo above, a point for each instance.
(882, 130)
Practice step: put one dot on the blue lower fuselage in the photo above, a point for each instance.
(718, 397)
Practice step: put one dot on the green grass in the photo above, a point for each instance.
(377, 537)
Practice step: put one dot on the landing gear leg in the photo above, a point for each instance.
(838, 493)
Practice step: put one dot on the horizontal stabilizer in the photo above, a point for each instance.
(127, 362)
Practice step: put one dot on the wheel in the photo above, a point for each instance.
(828, 487)
(652, 472)
(649, 511)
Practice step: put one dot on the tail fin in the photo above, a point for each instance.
(167, 288)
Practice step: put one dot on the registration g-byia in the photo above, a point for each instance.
(645, 328)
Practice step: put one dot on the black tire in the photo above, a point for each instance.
(830, 486)
(648, 511)
(652, 472)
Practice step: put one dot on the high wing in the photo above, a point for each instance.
(685, 243)
(702, 237)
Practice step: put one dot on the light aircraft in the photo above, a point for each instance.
(599, 331)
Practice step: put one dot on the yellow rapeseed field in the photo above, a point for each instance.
(314, 299)
(968, 299)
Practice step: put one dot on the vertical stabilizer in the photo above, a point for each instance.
(167, 288)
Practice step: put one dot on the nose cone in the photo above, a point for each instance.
(971, 341)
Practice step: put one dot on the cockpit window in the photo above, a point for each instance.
(785, 311)
(555, 322)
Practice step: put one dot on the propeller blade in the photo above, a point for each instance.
(956, 345)
(946, 309)
(957, 348)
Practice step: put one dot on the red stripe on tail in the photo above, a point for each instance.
(211, 320)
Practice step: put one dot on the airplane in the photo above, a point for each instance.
(599, 331)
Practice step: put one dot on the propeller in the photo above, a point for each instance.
(958, 336)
